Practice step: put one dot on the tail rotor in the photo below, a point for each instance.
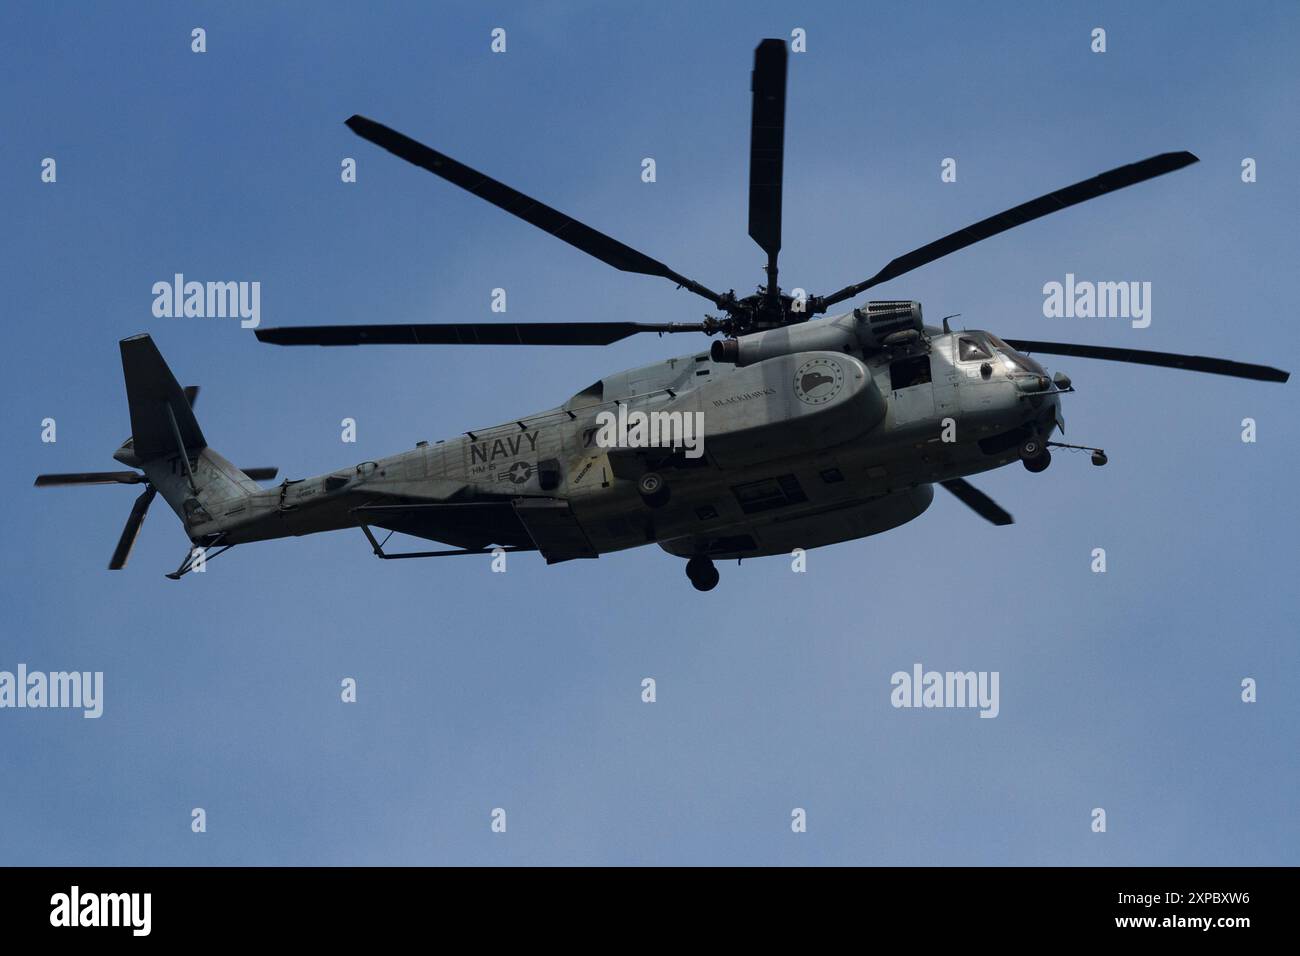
(138, 510)
(135, 519)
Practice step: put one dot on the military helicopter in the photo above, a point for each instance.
(814, 431)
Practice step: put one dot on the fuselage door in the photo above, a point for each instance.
(943, 367)
(911, 385)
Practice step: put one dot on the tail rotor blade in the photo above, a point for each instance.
(127, 541)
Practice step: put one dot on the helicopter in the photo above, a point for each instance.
(808, 431)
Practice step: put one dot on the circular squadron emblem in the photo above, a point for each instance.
(818, 381)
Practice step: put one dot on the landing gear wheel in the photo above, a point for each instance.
(1031, 448)
(704, 576)
(1039, 463)
(653, 489)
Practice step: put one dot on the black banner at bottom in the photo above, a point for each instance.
(335, 905)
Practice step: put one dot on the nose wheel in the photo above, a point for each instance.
(704, 576)
(1034, 454)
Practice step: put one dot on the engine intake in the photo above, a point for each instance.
(880, 321)
(879, 325)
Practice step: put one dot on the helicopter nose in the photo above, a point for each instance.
(1033, 383)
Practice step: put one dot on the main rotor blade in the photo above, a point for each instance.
(133, 522)
(977, 501)
(471, 333)
(90, 478)
(767, 146)
(576, 234)
(1107, 182)
(1192, 363)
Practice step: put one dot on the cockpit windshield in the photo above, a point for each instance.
(1016, 362)
(981, 346)
(971, 349)
(1013, 360)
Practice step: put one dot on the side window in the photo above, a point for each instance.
(909, 371)
(970, 350)
(769, 493)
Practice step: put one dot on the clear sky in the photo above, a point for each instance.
(523, 690)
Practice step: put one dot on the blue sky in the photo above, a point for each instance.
(522, 690)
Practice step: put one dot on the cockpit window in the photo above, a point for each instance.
(971, 350)
(1016, 362)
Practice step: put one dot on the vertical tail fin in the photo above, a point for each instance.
(166, 442)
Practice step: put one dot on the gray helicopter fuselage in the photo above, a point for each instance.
(800, 447)
(791, 432)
